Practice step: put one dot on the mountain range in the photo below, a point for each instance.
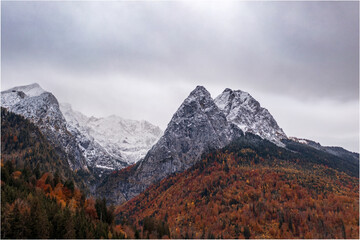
(105, 148)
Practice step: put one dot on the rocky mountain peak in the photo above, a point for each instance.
(200, 91)
(198, 104)
(30, 90)
(197, 126)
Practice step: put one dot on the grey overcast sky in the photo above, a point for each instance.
(140, 60)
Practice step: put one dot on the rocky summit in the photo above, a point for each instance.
(197, 126)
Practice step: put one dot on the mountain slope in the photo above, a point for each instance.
(351, 157)
(241, 109)
(315, 153)
(39, 199)
(128, 140)
(252, 189)
(197, 126)
(42, 108)
(25, 146)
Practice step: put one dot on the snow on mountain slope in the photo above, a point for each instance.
(241, 109)
(42, 108)
(128, 140)
(96, 155)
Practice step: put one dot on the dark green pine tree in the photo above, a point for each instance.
(82, 226)
(101, 230)
(247, 233)
(40, 225)
(59, 223)
(69, 225)
(18, 224)
(103, 213)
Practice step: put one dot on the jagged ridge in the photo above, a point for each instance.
(127, 140)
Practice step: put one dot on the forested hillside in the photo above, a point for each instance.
(42, 205)
(40, 195)
(251, 190)
(25, 146)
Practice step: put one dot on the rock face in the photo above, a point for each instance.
(241, 109)
(112, 142)
(42, 108)
(197, 126)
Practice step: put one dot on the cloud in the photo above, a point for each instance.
(140, 55)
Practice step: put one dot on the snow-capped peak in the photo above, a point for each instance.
(31, 90)
(14, 95)
(241, 109)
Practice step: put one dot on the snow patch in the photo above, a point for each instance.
(104, 167)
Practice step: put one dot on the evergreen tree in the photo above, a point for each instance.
(247, 232)
(17, 222)
(69, 225)
(40, 226)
